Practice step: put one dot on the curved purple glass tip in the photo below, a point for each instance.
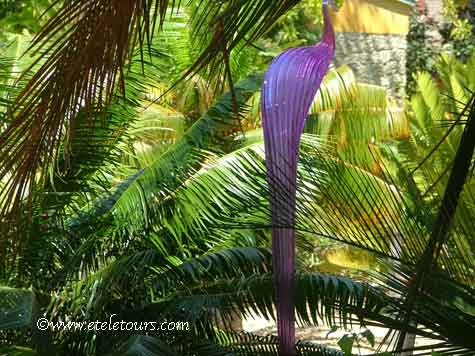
(288, 91)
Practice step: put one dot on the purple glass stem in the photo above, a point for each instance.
(289, 88)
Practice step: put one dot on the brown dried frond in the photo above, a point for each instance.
(86, 45)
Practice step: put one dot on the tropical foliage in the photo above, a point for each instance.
(133, 187)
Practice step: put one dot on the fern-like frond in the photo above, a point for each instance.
(248, 344)
(160, 177)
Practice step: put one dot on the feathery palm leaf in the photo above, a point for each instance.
(139, 197)
(89, 44)
(248, 344)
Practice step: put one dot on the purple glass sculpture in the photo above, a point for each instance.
(289, 89)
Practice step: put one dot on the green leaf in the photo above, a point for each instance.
(368, 335)
(346, 344)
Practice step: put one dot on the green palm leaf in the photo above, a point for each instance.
(177, 159)
(248, 344)
(89, 43)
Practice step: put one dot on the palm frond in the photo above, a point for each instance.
(223, 26)
(337, 87)
(328, 299)
(443, 223)
(248, 344)
(164, 175)
(157, 180)
(88, 45)
(355, 116)
(223, 264)
(87, 167)
(322, 210)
